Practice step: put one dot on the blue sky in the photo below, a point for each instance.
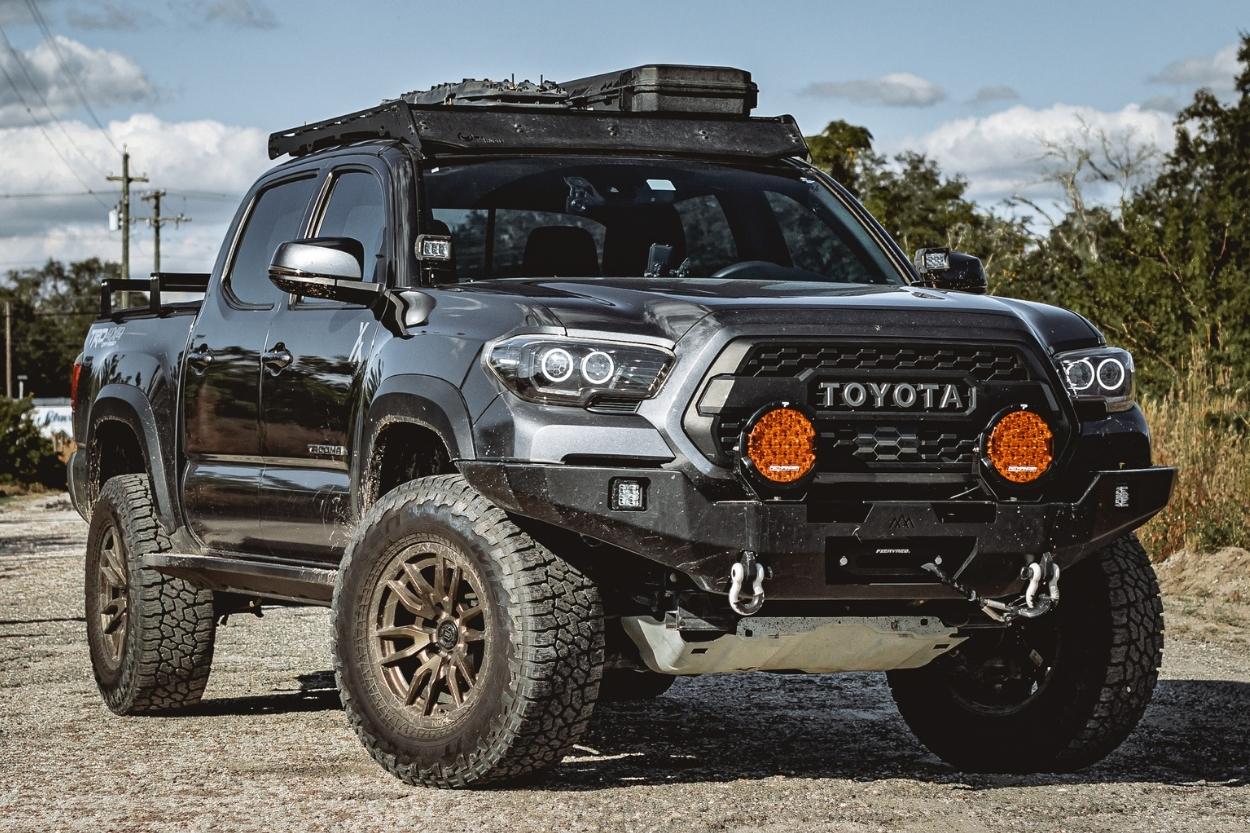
(193, 87)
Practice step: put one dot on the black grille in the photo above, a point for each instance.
(984, 363)
(850, 441)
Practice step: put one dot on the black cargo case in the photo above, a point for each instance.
(667, 88)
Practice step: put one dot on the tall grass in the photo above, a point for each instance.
(1201, 426)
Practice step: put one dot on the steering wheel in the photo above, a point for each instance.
(735, 269)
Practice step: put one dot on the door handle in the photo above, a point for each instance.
(276, 360)
(200, 358)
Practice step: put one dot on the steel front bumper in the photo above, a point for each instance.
(871, 550)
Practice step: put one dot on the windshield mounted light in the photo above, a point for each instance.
(559, 370)
(1099, 374)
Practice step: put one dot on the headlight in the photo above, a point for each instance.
(570, 371)
(1102, 373)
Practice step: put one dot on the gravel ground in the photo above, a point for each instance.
(269, 748)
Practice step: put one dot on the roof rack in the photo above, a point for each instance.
(656, 108)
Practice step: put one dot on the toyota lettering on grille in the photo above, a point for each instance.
(896, 396)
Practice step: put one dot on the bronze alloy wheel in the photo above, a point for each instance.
(430, 624)
(112, 585)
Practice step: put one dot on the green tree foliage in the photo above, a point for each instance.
(28, 456)
(52, 308)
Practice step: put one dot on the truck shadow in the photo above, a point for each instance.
(760, 726)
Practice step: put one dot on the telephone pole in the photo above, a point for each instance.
(8, 350)
(156, 221)
(124, 215)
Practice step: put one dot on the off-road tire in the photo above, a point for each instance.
(167, 649)
(544, 634)
(1110, 645)
(623, 685)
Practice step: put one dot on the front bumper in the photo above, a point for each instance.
(819, 551)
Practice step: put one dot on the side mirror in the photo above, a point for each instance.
(956, 271)
(323, 267)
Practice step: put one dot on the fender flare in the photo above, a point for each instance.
(417, 399)
(127, 405)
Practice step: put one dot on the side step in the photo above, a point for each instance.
(288, 582)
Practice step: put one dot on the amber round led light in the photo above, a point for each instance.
(781, 445)
(1021, 447)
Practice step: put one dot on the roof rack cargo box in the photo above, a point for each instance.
(667, 88)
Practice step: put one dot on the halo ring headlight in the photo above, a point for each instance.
(1080, 374)
(1111, 369)
(598, 367)
(557, 364)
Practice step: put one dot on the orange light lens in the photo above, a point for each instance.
(782, 445)
(1021, 447)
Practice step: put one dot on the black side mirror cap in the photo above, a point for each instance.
(941, 268)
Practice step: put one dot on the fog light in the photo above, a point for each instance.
(1021, 447)
(628, 495)
(781, 445)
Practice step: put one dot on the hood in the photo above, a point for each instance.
(669, 308)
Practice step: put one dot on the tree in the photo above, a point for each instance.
(52, 308)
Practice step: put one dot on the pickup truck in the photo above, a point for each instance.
(558, 392)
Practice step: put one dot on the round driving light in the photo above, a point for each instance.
(1080, 374)
(557, 364)
(598, 367)
(781, 445)
(1020, 447)
(1111, 374)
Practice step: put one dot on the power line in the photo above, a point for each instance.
(65, 68)
(48, 195)
(47, 137)
(21, 64)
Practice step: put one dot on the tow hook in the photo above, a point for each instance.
(1041, 595)
(746, 566)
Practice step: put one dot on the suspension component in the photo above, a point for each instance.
(1042, 574)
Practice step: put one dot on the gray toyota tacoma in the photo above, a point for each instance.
(557, 392)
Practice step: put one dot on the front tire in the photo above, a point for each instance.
(1052, 694)
(465, 652)
(150, 636)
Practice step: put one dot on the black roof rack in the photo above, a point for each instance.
(657, 108)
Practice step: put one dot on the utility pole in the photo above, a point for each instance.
(8, 350)
(156, 221)
(126, 179)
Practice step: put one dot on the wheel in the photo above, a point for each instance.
(150, 636)
(1052, 694)
(624, 684)
(465, 652)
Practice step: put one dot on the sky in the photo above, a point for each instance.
(193, 87)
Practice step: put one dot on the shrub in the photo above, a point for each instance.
(1200, 426)
(26, 456)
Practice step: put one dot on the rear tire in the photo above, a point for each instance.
(1053, 694)
(465, 652)
(150, 636)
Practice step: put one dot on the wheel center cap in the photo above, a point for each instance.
(447, 635)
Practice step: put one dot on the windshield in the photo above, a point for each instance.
(579, 217)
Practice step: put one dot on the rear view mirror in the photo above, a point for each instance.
(955, 271)
(323, 267)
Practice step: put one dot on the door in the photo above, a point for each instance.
(311, 383)
(221, 373)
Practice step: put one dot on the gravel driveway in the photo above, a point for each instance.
(270, 750)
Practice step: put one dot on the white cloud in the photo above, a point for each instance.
(994, 93)
(1002, 154)
(106, 78)
(103, 14)
(1217, 71)
(898, 89)
(192, 156)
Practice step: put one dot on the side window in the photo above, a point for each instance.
(357, 209)
(275, 219)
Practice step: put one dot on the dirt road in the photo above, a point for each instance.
(270, 750)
